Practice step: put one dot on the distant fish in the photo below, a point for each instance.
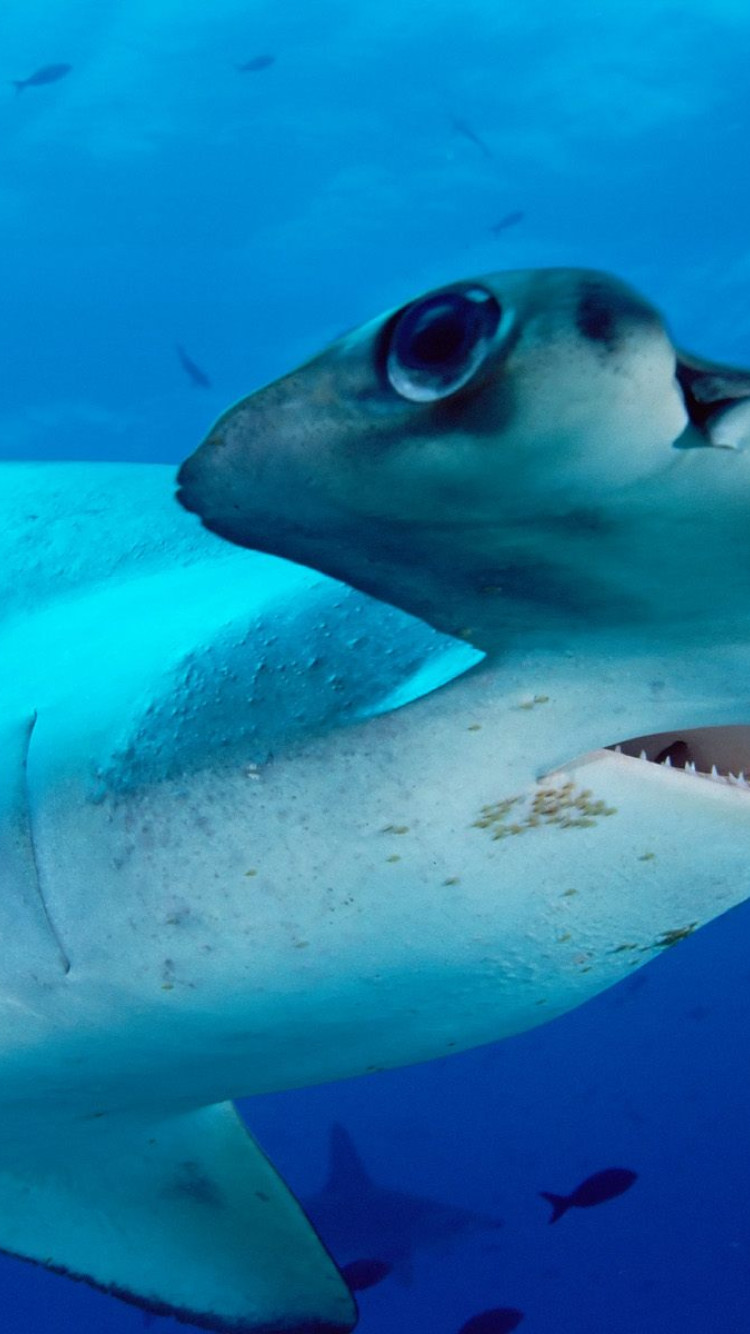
(463, 127)
(257, 62)
(507, 220)
(47, 74)
(361, 1274)
(502, 1320)
(194, 373)
(597, 1189)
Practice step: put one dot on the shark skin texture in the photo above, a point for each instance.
(348, 799)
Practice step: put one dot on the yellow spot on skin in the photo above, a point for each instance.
(474, 727)
(393, 858)
(647, 856)
(565, 936)
(395, 829)
(252, 871)
(569, 893)
(301, 944)
(452, 880)
(532, 701)
(167, 986)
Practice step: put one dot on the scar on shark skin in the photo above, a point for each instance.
(193, 1182)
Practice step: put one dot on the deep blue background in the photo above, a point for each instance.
(157, 195)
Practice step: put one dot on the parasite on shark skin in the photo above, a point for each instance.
(270, 822)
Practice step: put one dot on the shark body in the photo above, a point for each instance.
(263, 827)
(358, 1217)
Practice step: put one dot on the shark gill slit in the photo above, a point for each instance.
(32, 845)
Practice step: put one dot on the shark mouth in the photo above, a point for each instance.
(719, 754)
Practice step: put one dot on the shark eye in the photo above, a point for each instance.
(436, 345)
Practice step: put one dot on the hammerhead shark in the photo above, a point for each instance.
(350, 777)
(356, 1216)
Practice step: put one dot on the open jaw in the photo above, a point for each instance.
(719, 754)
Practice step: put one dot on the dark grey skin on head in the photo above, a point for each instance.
(418, 459)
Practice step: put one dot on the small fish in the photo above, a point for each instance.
(463, 127)
(47, 74)
(361, 1274)
(507, 220)
(597, 1189)
(501, 1320)
(194, 373)
(257, 62)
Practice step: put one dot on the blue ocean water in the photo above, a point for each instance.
(157, 196)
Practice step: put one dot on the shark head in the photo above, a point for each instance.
(262, 827)
(502, 457)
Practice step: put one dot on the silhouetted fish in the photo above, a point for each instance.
(597, 1189)
(194, 373)
(257, 62)
(361, 1274)
(507, 220)
(47, 74)
(463, 127)
(501, 1320)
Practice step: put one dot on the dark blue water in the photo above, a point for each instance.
(155, 195)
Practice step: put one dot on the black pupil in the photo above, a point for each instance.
(440, 339)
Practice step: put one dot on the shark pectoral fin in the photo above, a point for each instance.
(184, 1216)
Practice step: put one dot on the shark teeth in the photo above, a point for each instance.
(713, 776)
